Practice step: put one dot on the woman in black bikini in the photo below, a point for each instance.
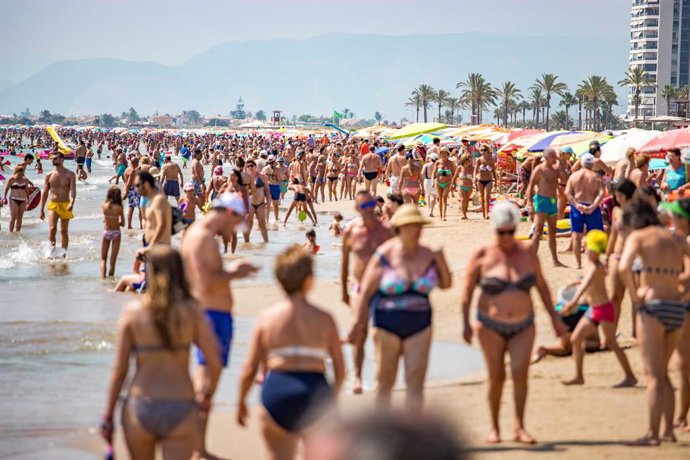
(260, 201)
(658, 256)
(320, 183)
(506, 270)
(18, 188)
(299, 201)
(158, 330)
(333, 171)
(485, 177)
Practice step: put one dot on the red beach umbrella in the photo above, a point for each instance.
(674, 139)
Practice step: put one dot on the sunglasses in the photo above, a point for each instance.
(369, 204)
(505, 232)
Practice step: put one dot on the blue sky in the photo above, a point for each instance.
(36, 33)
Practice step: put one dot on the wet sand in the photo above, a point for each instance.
(590, 421)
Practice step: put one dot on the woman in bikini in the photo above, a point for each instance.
(293, 342)
(299, 201)
(333, 171)
(506, 270)
(443, 176)
(396, 286)
(158, 330)
(465, 174)
(260, 201)
(485, 177)
(320, 183)
(409, 185)
(113, 219)
(623, 191)
(350, 168)
(17, 187)
(658, 256)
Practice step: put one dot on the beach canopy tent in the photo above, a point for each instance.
(614, 150)
(659, 145)
(415, 129)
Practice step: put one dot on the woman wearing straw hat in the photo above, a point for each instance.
(506, 271)
(397, 283)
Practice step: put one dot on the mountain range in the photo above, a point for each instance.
(365, 73)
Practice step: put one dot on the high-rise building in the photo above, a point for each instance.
(659, 43)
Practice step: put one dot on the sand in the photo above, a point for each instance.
(586, 422)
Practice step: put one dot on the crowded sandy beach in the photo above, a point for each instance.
(429, 241)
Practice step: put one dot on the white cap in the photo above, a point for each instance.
(231, 201)
(434, 156)
(587, 160)
(504, 214)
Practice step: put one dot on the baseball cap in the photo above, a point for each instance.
(281, 160)
(568, 150)
(587, 160)
(264, 153)
(434, 156)
(231, 201)
(188, 186)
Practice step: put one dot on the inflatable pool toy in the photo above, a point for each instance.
(62, 147)
(302, 216)
(562, 228)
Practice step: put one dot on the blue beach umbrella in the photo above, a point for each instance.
(546, 141)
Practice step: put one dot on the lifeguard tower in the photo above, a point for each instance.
(276, 117)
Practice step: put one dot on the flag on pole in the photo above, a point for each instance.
(337, 114)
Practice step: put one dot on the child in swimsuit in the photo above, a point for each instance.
(334, 226)
(39, 166)
(310, 245)
(81, 173)
(600, 313)
(189, 203)
(113, 219)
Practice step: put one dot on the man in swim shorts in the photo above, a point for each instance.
(209, 281)
(545, 206)
(371, 163)
(172, 177)
(361, 237)
(584, 191)
(61, 187)
(395, 165)
(198, 176)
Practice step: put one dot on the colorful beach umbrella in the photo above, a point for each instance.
(417, 128)
(547, 140)
(674, 139)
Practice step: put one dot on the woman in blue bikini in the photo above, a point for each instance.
(292, 342)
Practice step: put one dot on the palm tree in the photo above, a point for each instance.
(426, 95)
(378, 117)
(594, 90)
(441, 98)
(636, 78)
(415, 101)
(478, 93)
(668, 92)
(561, 120)
(452, 103)
(567, 101)
(508, 93)
(549, 86)
(535, 96)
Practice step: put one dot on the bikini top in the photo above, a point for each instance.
(494, 286)
(444, 172)
(392, 284)
(159, 347)
(486, 167)
(299, 351)
(259, 183)
(18, 186)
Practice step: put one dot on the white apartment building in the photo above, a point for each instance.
(660, 43)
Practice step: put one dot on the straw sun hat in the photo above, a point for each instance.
(408, 214)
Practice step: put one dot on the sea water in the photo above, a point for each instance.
(58, 321)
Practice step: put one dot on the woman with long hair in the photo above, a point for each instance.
(464, 181)
(292, 342)
(657, 256)
(506, 270)
(113, 219)
(158, 330)
(260, 201)
(410, 186)
(396, 285)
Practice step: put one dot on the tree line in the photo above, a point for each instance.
(594, 99)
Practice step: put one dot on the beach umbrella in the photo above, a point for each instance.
(522, 142)
(415, 129)
(508, 137)
(614, 150)
(674, 139)
(381, 150)
(657, 163)
(547, 140)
